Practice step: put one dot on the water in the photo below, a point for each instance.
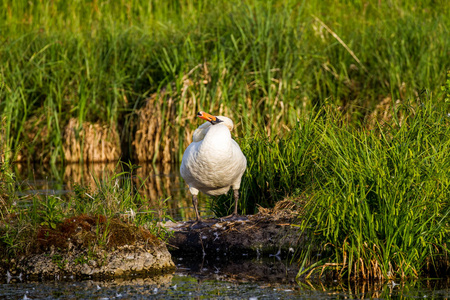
(161, 182)
(195, 278)
(181, 285)
(173, 286)
(163, 287)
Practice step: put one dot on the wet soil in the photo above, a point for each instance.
(270, 232)
(90, 246)
(259, 247)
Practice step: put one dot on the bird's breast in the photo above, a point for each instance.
(215, 163)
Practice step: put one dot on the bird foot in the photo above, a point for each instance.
(199, 224)
(234, 217)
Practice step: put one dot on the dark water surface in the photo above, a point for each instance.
(200, 278)
(182, 285)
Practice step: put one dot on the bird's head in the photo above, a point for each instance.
(210, 118)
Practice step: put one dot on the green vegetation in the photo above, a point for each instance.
(375, 202)
(337, 105)
(262, 63)
(27, 221)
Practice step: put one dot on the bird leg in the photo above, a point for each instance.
(195, 202)
(235, 216)
(236, 199)
(198, 224)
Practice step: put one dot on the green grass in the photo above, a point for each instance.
(116, 197)
(301, 79)
(263, 63)
(377, 201)
(384, 206)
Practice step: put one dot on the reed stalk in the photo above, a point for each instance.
(265, 64)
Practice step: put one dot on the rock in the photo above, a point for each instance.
(125, 260)
(268, 232)
(93, 246)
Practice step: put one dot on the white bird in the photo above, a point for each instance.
(213, 163)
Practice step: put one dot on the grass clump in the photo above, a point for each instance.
(376, 201)
(382, 210)
(112, 215)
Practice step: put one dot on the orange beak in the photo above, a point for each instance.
(206, 116)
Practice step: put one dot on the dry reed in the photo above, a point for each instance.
(90, 142)
(152, 134)
(160, 126)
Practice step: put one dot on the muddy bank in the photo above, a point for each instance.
(270, 232)
(124, 261)
(97, 247)
(90, 247)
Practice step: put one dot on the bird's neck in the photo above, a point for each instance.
(218, 136)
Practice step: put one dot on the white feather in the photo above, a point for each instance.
(213, 163)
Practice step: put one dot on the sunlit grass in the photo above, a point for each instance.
(377, 200)
(265, 64)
